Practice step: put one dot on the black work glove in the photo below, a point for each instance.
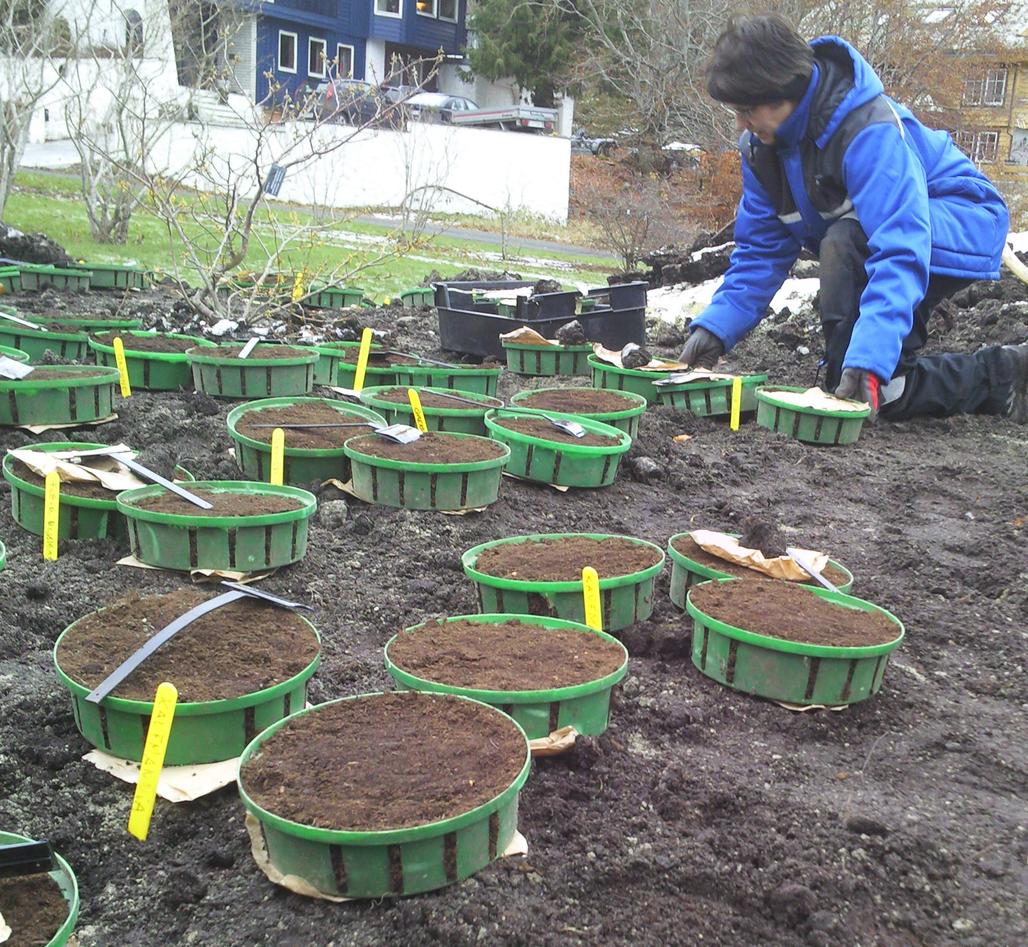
(859, 385)
(702, 349)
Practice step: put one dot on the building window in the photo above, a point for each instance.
(425, 7)
(986, 88)
(134, 32)
(980, 146)
(317, 57)
(1018, 147)
(389, 8)
(448, 10)
(286, 51)
(344, 61)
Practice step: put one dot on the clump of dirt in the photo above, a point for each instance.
(571, 333)
(547, 286)
(242, 647)
(634, 356)
(763, 535)
(387, 762)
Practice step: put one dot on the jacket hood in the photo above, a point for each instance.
(847, 82)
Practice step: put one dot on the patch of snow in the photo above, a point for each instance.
(674, 303)
(1018, 241)
(699, 253)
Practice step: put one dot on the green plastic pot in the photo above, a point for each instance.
(475, 379)
(151, 371)
(334, 297)
(624, 599)
(418, 296)
(460, 419)
(91, 324)
(65, 879)
(59, 400)
(387, 863)
(787, 670)
(226, 376)
(566, 465)
(69, 346)
(418, 486)
(606, 375)
(3, 556)
(626, 420)
(547, 359)
(326, 368)
(36, 276)
(374, 375)
(586, 707)
(711, 398)
(240, 543)
(202, 732)
(686, 572)
(810, 425)
(115, 276)
(17, 354)
(10, 280)
(301, 464)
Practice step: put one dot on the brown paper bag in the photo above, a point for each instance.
(779, 567)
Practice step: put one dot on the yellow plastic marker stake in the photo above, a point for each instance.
(278, 457)
(736, 402)
(153, 760)
(591, 595)
(119, 360)
(419, 412)
(51, 514)
(299, 288)
(362, 360)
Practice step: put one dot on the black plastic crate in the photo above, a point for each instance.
(622, 295)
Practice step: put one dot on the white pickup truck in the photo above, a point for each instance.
(521, 118)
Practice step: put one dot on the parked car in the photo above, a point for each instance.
(582, 144)
(437, 106)
(355, 102)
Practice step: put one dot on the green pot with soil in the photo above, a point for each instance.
(356, 816)
(156, 361)
(541, 574)
(40, 909)
(442, 413)
(116, 276)
(58, 394)
(418, 296)
(691, 564)
(620, 409)
(333, 297)
(16, 354)
(39, 276)
(269, 371)
(238, 669)
(10, 280)
(66, 343)
(310, 454)
(542, 452)
(710, 398)
(326, 368)
(438, 471)
(89, 323)
(543, 672)
(788, 642)
(249, 528)
(777, 412)
(475, 379)
(380, 371)
(547, 360)
(605, 375)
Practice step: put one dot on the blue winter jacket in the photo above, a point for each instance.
(848, 150)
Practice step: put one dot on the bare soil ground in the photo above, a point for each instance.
(702, 815)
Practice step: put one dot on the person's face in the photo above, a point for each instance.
(761, 120)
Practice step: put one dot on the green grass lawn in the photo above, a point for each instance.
(377, 258)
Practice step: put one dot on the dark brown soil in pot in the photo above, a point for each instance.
(302, 413)
(431, 400)
(688, 547)
(540, 427)
(578, 401)
(433, 447)
(33, 908)
(222, 504)
(150, 343)
(563, 559)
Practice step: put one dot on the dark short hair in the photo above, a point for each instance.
(757, 60)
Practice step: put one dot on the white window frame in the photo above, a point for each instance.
(432, 13)
(296, 44)
(456, 12)
(339, 73)
(396, 16)
(312, 42)
(995, 91)
(982, 147)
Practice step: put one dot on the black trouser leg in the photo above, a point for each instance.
(936, 385)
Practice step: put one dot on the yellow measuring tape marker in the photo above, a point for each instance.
(362, 360)
(153, 760)
(278, 457)
(119, 360)
(51, 514)
(591, 596)
(736, 402)
(419, 413)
